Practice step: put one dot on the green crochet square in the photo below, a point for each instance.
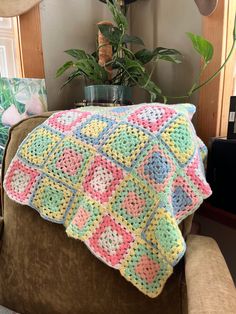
(52, 198)
(38, 147)
(125, 143)
(167, 234)
(181, 137)
(162, 233)
(178, 137)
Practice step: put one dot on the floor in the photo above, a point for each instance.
(224, 236)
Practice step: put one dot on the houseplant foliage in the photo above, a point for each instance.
(129, 68)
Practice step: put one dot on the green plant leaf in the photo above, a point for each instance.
(136, 75)
(92, 70)
(113, 34)
(160, 53)
(72, 76)
(77, 53)
(63, 68)
(128, 39)
(150, 87)
(144, 55)
(119, 18)
(167, 54)
(202, 46)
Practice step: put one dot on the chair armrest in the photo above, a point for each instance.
(210, 287)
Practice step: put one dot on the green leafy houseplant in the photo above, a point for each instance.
(129, 68)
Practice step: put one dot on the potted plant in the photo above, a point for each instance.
(111, 78)
(113, 69)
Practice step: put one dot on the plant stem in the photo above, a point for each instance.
(150, 75)
(218, 71)
(209, 79)
(128, 51)
(117, 75)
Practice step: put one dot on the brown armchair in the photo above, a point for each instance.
(42, 271)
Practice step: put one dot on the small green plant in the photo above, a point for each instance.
(129, 68)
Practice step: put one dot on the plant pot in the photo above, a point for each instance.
(108, 94)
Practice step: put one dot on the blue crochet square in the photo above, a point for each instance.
(180, 199)
(157, 168)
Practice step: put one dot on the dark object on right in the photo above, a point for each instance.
(232, 119)
(221, 173)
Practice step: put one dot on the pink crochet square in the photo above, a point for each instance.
(133, 204)
(69, 162)
(152, 117)
(20, 181)
(102, 179)
(81, 218)
(66, 121)
(196, 174)
(147, 269)
(110, 241)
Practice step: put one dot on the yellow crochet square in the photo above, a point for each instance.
(94, 128)
(163, 233)
(178, 137)
(52, 199)
(38, 145)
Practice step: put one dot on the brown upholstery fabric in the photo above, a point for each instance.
(42, 271)
(210, 287)
(1, 229)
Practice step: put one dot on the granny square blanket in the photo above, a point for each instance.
(120, 179)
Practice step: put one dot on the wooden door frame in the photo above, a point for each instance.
(30, 39)
(214, 98)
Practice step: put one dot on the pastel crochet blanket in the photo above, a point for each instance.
(120, 179)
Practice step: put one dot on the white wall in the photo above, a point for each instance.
(165, 23)
(67, 24)
(72, 24)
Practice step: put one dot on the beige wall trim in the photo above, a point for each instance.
(214, 98)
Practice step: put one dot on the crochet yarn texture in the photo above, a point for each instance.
(119, 179)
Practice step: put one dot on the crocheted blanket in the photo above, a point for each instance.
(119, 179)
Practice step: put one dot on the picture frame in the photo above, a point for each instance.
(20, 98)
